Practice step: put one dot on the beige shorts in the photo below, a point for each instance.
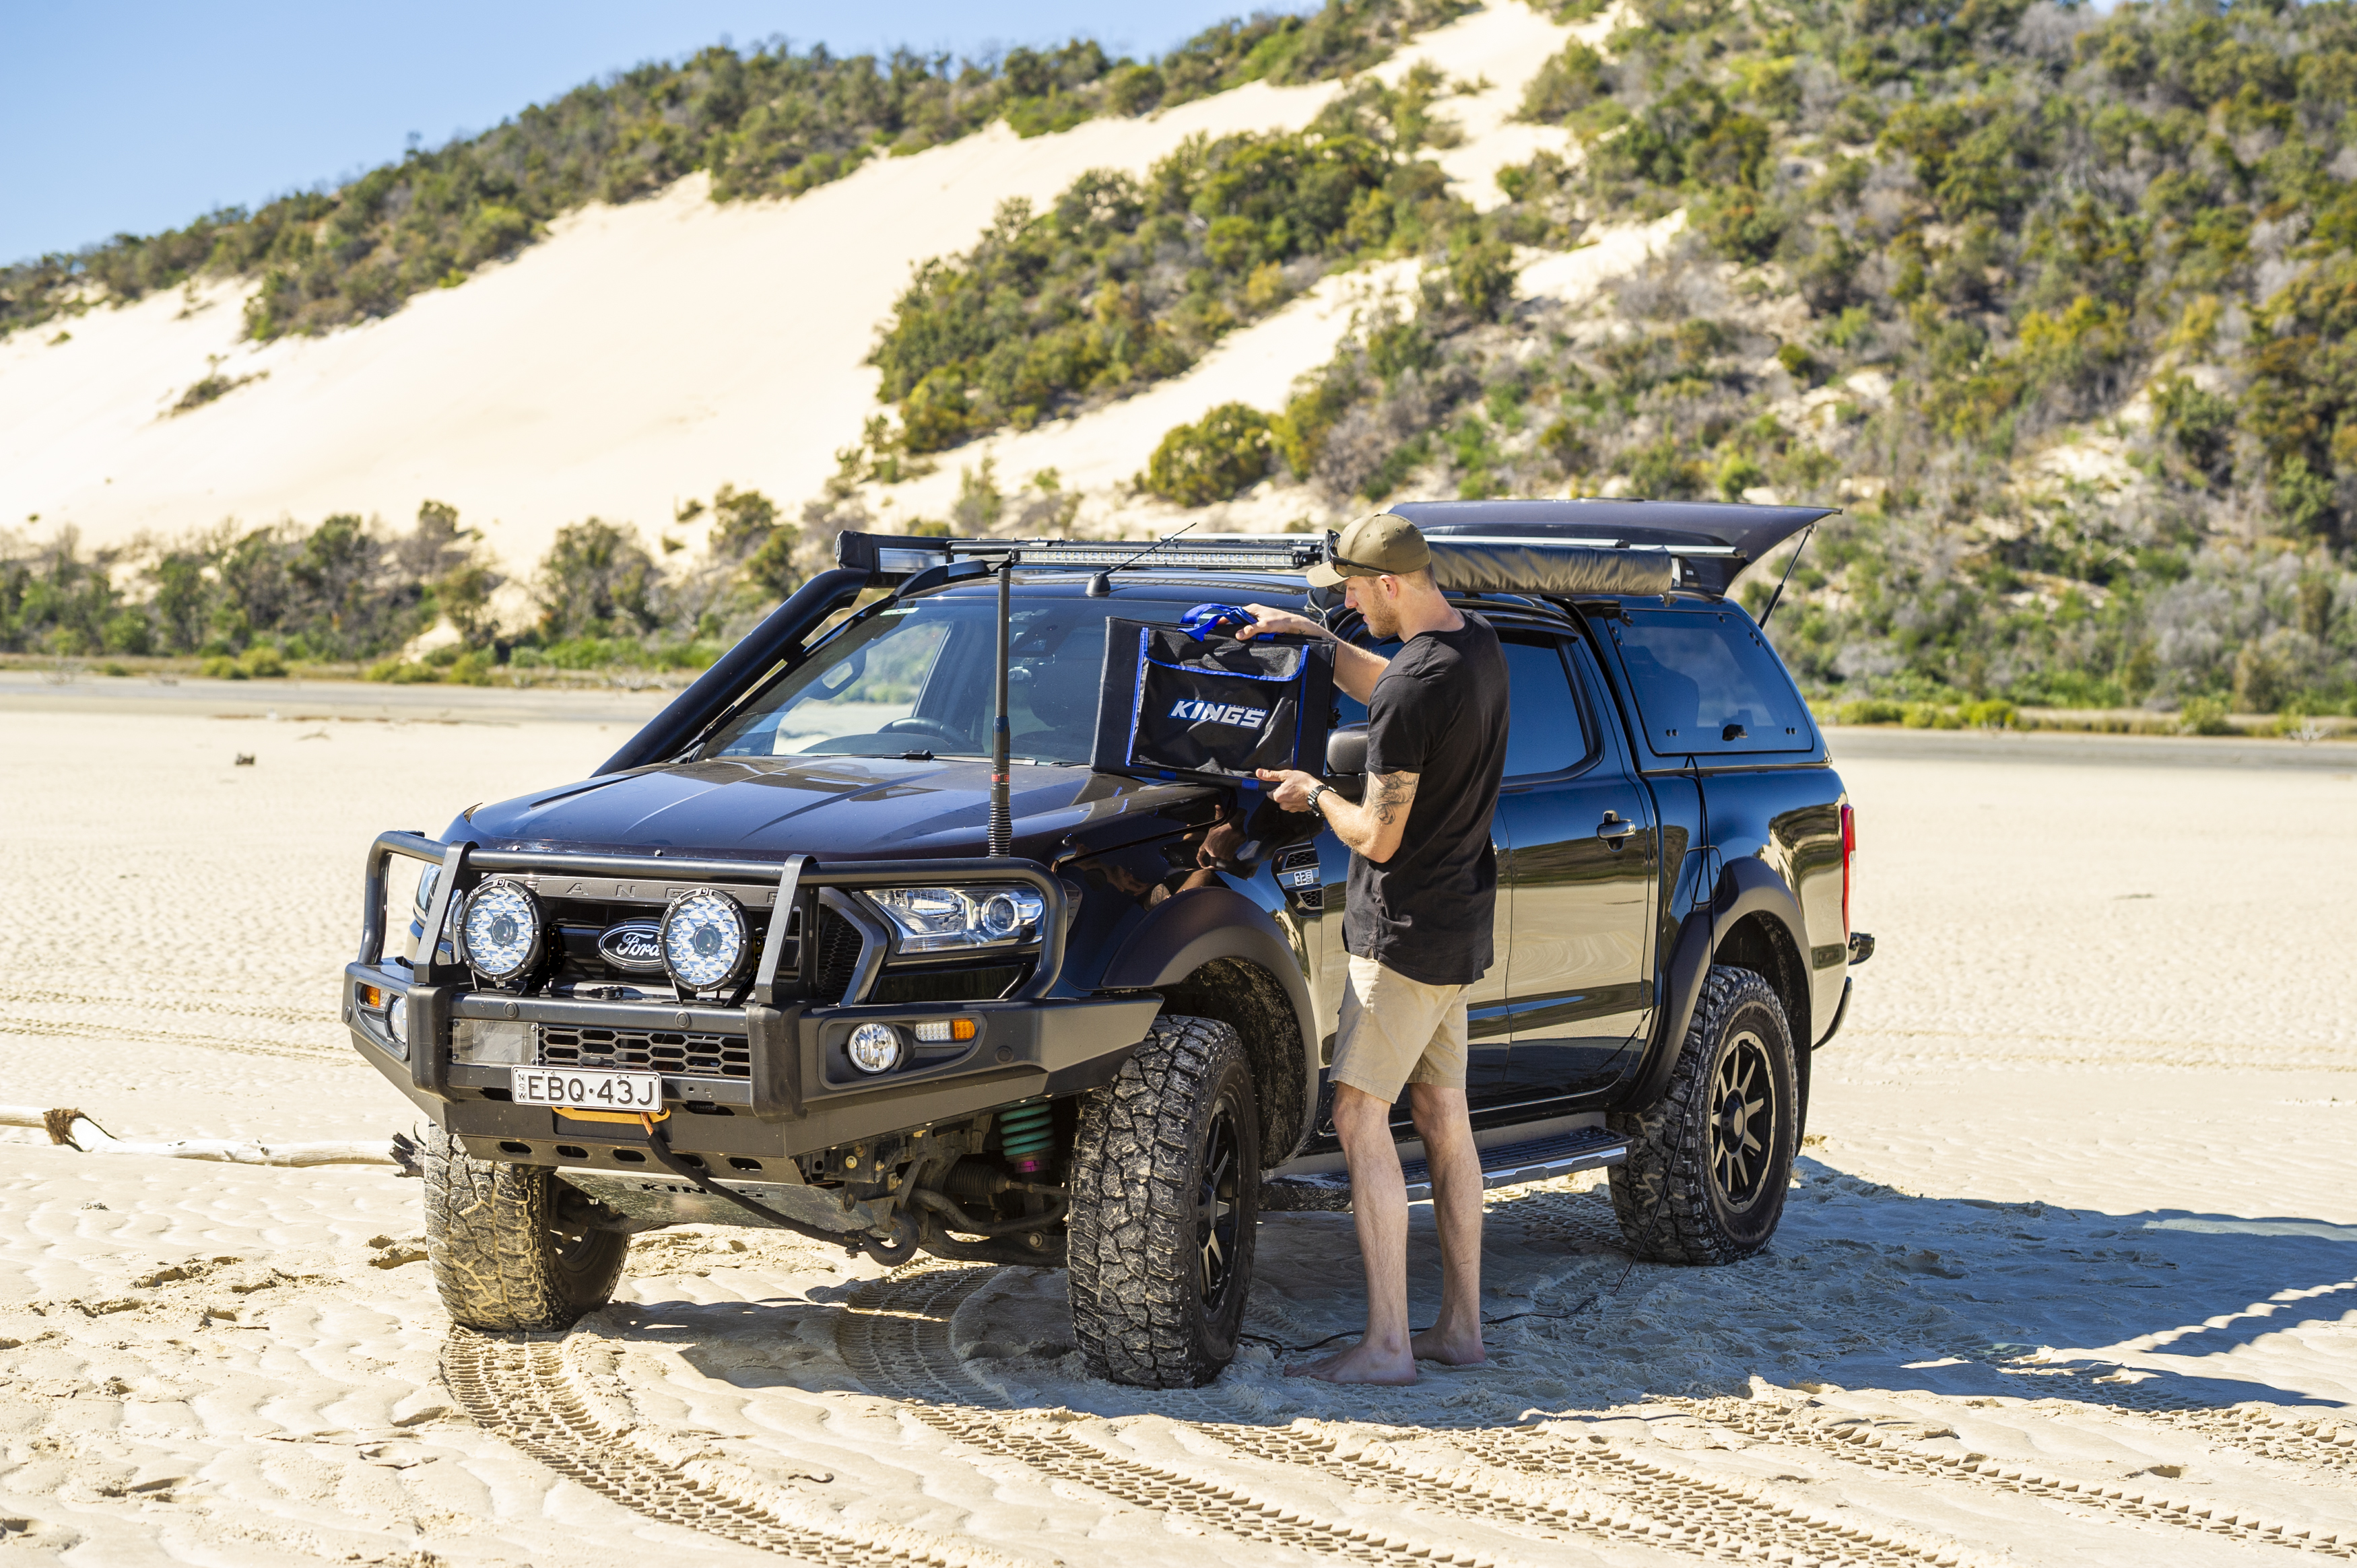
(1396, 1031)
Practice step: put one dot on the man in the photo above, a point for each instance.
(1424, 882)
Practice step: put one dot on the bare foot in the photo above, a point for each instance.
(1448, 1347)
(1360, 1364)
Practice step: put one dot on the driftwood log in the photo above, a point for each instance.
(76, 1131)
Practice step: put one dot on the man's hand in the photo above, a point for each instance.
(1356, 670)
(1282, 623)
(1374, 827)
(1293, 787)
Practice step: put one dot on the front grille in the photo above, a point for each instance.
(837, 959)
(650, 1051)
(948, 985)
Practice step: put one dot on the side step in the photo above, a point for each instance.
(1508, 1165)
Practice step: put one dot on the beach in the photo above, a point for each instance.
(2068, 1270)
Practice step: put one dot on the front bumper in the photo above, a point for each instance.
(773, 1080)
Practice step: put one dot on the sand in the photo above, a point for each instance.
(643, 354)
(2067, 1274)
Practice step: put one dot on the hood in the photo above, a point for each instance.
(837, 807)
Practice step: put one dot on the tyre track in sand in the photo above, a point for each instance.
(1894, 1454)
(896, 1340)
(523, 1390)
(901, 1349)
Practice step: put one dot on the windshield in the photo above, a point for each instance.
(917, 677)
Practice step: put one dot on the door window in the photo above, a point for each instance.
(1544, 732)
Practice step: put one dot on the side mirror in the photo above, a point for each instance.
(1346, 759)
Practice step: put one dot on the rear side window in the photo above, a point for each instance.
(1708, 684)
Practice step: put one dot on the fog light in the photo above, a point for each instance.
(941, 1031)
(396, 1019)
(875, 1047)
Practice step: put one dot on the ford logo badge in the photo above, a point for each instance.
(634, 947)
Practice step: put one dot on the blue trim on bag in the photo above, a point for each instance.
(1137, 703)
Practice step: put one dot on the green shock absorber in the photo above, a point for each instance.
(1026, 1135)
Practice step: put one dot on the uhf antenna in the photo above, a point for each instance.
(1001, 819)
(1102, 584)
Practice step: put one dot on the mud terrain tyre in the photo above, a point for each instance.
(1166, 1199)
(508, 1250)
(1708, 1165)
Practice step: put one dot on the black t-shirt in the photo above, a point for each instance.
(1439, 711)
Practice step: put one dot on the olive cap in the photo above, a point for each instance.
(1385, 544)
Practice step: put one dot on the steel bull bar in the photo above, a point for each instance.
(1028, 1043)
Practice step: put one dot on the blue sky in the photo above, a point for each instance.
(140, 116)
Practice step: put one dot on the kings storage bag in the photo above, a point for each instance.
(1217, 709)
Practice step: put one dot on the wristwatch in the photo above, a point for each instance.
(1315, 791)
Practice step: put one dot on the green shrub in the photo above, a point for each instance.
(402, 672)
(220, 666)
(1994, 713)
(1869, 711)
(2203, 716)
(1800, 364)
(262, 663)
(1222, 453)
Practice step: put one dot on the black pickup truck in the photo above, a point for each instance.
(764, 967)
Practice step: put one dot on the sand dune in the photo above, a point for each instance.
(2068, 1273)
(642, 355)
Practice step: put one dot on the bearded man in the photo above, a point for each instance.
(1424, 882)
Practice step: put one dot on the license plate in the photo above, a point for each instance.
(627, 1092)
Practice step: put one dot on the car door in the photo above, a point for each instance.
(1581, 879)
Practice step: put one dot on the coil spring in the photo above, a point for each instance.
(1027, 1134)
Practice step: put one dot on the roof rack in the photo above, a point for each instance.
(895, 557)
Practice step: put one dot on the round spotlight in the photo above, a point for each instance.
(704, 939)
(875, 1047)
(396, 1020)
(500, 929)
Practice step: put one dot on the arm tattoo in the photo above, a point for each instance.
(1391, 795)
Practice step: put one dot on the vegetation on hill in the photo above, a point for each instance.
(771, 121)
(2059, 303)
(1126, 281)
(252, 602)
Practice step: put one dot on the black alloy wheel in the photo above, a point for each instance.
(1743, 1118)
(1216, 1211)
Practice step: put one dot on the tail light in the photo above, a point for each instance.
(1849, 853)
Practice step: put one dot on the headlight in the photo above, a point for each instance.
(500, 929)
(396, 1020)
(704, 943)
(932, 920)
(425, 880)
(875, 1047)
